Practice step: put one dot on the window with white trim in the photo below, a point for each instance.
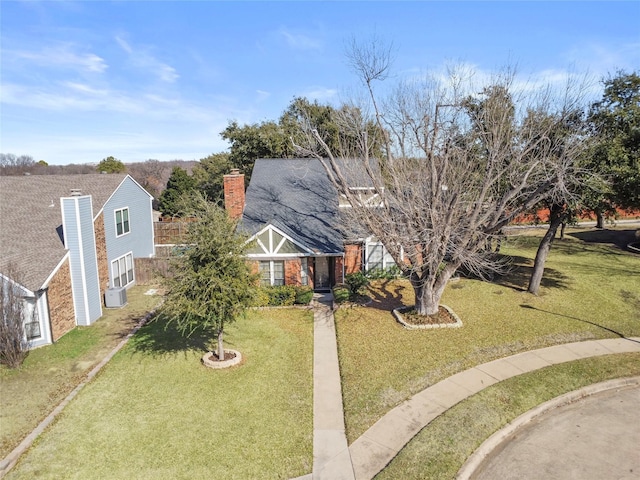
(122, 271)
(122, 221)
(32, 330)
(304, 271)
(271, 272)
(32, 324)
(378, 258)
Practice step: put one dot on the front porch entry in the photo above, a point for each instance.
(323, 273)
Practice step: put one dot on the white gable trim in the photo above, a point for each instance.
(25, 291)
(55, 270)
(115, 190)
(273, 252)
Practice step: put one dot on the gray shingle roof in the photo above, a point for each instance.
(297, 197)
(31, 219)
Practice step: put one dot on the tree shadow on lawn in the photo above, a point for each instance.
(159, 338)
(618, 238)
(385, 298)
(530, 307)
(518, 271)
(387, 294)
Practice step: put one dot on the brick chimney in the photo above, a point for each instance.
(234, 193)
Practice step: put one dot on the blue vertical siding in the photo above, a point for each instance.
(139, 240)
(79, 237)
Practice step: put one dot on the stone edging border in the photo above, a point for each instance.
(398, 315)
(225, 363)
(12, 458)
(490, 444)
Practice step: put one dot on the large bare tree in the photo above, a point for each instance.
(14, 314)
(461, 161)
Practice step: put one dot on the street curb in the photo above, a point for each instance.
(10, 460)
(494, 441)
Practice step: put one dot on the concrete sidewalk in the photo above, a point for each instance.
(377, 446)
(331, 458)
(369, 454)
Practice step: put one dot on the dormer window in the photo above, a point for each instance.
(366, 196)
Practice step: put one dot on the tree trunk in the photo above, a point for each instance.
(599, 218)
(428, 294)
(220, 352)
(557, 216)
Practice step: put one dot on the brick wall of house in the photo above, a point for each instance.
(292, 274)
(101, 251)
(61, 312)
(352, 258)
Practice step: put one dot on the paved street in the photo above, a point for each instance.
(595, 438)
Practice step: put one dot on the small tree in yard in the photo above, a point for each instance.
(460, 162)
(211, 284)
(13, 315)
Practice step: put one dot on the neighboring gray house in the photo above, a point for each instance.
(72, 239)
(292, 210)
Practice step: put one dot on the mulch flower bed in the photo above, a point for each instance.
(227, 356)
(442, 317)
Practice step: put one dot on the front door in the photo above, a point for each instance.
(322, 274)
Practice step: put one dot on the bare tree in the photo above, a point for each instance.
(13, 316)
(151, 175)
(459, 166)
(11, 164)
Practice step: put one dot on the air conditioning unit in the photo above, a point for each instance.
(115, 297)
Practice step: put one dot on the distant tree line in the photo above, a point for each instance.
(613, 130)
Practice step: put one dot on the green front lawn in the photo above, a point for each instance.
(589, 291)
(156, 412)
(29, 393)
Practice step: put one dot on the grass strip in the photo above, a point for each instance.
(442, 447)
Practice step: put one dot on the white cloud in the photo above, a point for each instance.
(321, 94)
(86, 89)
(142, 59)
(601, 59)
(299, 41)
(60, 56)
(262, 95)
(70, 97)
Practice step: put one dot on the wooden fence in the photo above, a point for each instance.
(171, 231)
(149, 271)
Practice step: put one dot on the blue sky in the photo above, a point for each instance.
(158, 79)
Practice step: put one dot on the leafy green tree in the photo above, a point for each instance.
(111, 165)
(212, 284)
(615, 121)
(179, 183)
(340, 128)
(272, 139)
(250, 142)
(209, 174)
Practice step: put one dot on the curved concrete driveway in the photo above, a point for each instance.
(592, 438)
